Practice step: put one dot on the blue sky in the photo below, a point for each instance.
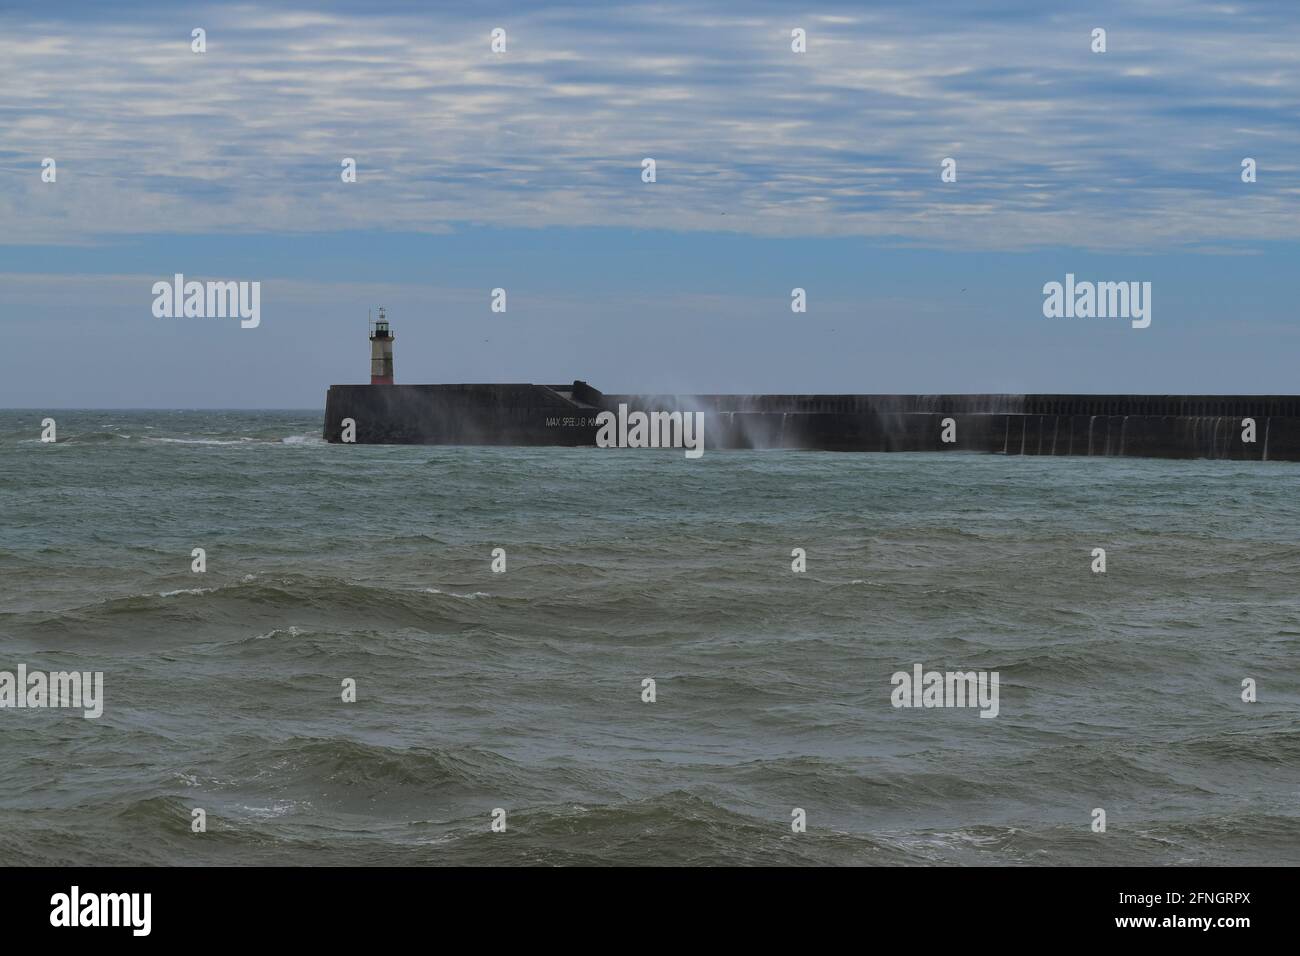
(522, 170)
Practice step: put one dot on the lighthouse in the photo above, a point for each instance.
(381, 351)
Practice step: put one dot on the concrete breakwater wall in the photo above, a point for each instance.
(458, 415)
(1147, 436)
(1193, 406)
(1165, 426)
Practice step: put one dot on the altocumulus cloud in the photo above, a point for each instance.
(1137, 147)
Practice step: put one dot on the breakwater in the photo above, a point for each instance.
(1244, 427)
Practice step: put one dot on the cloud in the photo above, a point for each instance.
(1134, 148)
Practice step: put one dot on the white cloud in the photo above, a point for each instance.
(1135, 147)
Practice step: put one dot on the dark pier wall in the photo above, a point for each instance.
(458, 415)
(1147, 436)
(1195, 406)
(1162, 426)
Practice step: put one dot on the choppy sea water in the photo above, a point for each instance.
(523, 690)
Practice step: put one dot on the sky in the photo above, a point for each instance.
(523, 170)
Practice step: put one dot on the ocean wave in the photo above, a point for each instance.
(228, 440)
(291, 631)
(199, 441)
(678, 828)
(277, 808)
(1277, 745)
(470, 597)
(254, 595)
(372, 768)
(92, 438)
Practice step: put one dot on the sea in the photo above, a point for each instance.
(441, 656)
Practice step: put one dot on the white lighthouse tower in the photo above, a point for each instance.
(381, 351)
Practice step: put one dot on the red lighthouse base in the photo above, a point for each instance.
(381, 380)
